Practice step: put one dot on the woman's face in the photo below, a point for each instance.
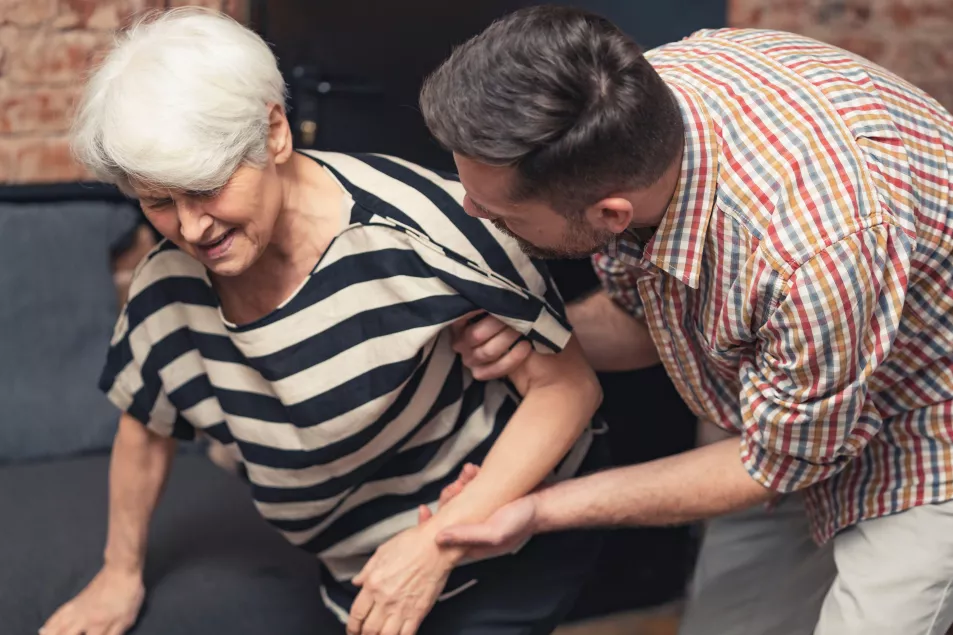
(226, 230)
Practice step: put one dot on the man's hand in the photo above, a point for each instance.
(502, 533)
(489, 348)
(108, 605)
(400, 584)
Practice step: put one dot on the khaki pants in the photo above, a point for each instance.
(759, 573)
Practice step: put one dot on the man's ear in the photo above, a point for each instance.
(612, 214)
(280, 140)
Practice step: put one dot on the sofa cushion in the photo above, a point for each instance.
(213, 565)
(58, 306)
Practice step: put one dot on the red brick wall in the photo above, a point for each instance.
(913, 38)
(46, 48)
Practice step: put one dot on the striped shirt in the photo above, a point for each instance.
(347, 406)
(798, 287)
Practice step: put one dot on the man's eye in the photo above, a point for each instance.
(166, 202)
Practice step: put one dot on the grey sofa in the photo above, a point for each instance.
(213, 565)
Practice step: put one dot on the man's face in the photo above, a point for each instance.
(541, 231)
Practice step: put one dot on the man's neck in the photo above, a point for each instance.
(656, 200)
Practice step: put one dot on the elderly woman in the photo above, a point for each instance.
(299, 312)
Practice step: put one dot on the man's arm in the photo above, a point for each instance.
(682, 488)
(140, 463)
(686, 487)
(612, 339)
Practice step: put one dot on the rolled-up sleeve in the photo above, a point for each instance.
(620, 283)
(805, 400)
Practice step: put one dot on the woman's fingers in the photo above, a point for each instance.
(359, 611)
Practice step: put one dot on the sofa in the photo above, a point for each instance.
(213, 565)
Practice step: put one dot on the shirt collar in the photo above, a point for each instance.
(678, 243)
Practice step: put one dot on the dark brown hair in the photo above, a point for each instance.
(565, 97)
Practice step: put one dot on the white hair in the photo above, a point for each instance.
(180, 102)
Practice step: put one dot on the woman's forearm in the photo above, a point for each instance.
(140, 463)
(561, 395)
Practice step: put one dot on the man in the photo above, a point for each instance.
(774, 215)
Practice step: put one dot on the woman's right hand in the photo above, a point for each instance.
(109, 605)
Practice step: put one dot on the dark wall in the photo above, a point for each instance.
(372, 55)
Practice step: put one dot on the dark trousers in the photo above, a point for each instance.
(528, 593)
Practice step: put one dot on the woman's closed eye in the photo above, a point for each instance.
(158, 203)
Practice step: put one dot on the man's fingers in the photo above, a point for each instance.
(474, 331)
(471, 536)
(469, 473)
(449, 492)
(494, 348)
(461, 324)
(504, 365)
(423, 514)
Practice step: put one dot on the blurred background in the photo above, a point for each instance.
(354, 68)
(369, 56)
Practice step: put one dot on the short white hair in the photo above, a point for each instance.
(180, 102)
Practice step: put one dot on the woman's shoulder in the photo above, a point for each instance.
(424, 204)
(167, 266)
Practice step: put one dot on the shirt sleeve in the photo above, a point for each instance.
(529, 304)
(805, 401)
(620, 282)
(136, 391)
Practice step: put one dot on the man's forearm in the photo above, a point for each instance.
(613, 339)
(686, 487)
(140, 463)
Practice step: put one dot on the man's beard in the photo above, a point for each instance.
(582, 241)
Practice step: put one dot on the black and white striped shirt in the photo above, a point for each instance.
(346, 405)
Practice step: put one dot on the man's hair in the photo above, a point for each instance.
(180, 101)
(563, 96)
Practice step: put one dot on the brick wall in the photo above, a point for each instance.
(913, 38)
(46, 48)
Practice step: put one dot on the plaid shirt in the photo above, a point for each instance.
(799, 285)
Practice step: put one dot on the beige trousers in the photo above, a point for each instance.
(759, 573)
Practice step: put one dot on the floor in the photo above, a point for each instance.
(660, 621)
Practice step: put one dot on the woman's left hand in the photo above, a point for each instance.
(401, 583)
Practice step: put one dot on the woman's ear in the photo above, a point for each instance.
(280, 139)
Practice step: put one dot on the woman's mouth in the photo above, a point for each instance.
(215, 249)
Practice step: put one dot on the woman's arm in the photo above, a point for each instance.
(402, 581)
(561, 395)
(140, 463)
